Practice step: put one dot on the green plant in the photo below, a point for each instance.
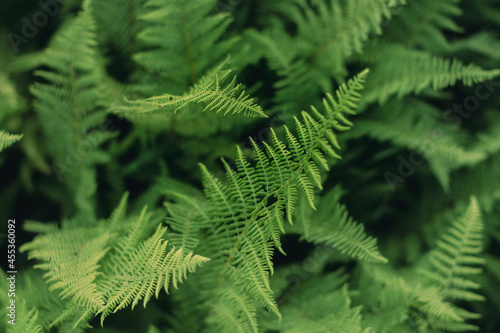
(285, 166)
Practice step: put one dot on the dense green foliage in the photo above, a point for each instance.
(251, 166)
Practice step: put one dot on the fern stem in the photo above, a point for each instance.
(189, 45)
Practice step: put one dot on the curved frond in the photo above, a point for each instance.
(186, 216)
(118, 23)
(332, 225)
(213, 91)
(324, 311)
(337, 29)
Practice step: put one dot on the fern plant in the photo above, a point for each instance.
(250, 166)
(101, 273)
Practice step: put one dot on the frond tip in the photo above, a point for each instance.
(7, 139)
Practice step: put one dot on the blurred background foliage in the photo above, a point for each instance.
(410, 164)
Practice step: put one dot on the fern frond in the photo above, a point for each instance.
(186, 217)
(492, 264)
(328, 34)
(332, 225)
(449, 265)
(296, 78)
(232, 311)
(484, 43)
(457, 256)
(422, 296)
(119, 212)
(213, 91)
(483, 181)
(71, 259)
(26, 320)
(249, 211)
(35, 294)
(144, 271)
(415, 125)
(386, 298)
(7, 139)
(419, 71)
(40, 227)
(324, 311)
(193, 45)
(73, 317)
(337, 29)
(118, 23)
(66, 112)
(420, 23)
(68, 104)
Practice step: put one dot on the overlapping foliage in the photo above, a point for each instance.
(284, 166)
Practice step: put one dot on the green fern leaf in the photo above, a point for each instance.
(331, 225)
(7, 139)
(26, 320)
(248, 211)
(326, 310)
(212, 91)
(193, 46)
(144, 271)
(102, 275)
(71, 259)
(419, 71)
(68, 105)
(415, 125)
(118, 23)
(454, 259)
(337, 29)
(328, 34)
(420, 23)
(233, 311)
(456, 256)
